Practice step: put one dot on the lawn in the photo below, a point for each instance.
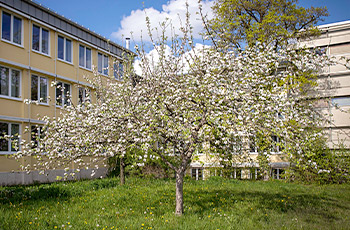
(149, 204)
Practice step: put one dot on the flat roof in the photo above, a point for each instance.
(56, 20)
(334, 24)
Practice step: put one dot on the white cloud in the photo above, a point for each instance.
(174, 10)
(153, 57)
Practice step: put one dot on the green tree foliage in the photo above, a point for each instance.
(268, 22)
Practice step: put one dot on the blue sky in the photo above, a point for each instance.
(112, 18)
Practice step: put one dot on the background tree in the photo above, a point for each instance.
(268, 22)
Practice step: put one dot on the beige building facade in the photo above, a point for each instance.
(38, 49)
(335, 82)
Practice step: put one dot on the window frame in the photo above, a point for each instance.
(86, 95)
(39, 89)
(118, 71)
(11, 29)
(36, 133)
(276, 147)
(64, 97)
(9, 128)
(41, 40)
(197, 173)
(103, 64)
(10, 83)
(85, 57)
(65, 49)
(340, 101)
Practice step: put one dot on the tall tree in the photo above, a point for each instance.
(268, 22)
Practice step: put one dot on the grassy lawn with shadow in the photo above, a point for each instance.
(216, 203)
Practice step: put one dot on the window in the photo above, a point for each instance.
(39, 89)
(64, 49)
(341, 101)
(277, 144)
(37, 133)
(253, 148)
(11, 28)
(237, 145)
(277, 173)
(10, 82)
(84, 95)
(84, 57)
(9, 129)
(62, 94)
(40, 40)
(102, 64)
(118, 71)
(197, 174)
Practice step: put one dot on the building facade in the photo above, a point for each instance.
(334, 83)
(39, 47)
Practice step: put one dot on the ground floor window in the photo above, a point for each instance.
(8, 130)
(277, 173)
(197, 173)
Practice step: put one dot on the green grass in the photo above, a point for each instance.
(149, 204)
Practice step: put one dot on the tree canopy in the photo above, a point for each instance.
(268, 22)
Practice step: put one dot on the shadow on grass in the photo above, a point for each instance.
(59, 190)
(267, 197)
(268, 201)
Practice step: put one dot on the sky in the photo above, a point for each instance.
(114, 19)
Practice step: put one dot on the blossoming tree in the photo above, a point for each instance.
(190, 97)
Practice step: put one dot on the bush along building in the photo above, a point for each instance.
(333, 93)
(40, 48)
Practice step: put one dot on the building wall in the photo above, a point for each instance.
(335, 82)
(27, 61)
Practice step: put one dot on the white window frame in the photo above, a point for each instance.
(85, 96)
(198, 175)
(103, 64)
(39, 89)
(9, 124)
(118, 70)
(38, 133)
(277, 174)
(65, 49)
(85, 60)
(276, 145)
(41, 40)
(64, 97)
(11, 29)
(10, 82)
(255, 145)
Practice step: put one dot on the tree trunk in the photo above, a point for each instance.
(179, 193)
(122, 171)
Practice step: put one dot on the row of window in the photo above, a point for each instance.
(14, 130)
(12, 32)
(239, 173)
(10, 86)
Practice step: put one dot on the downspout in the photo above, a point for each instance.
(55, 59)
(329, 80)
